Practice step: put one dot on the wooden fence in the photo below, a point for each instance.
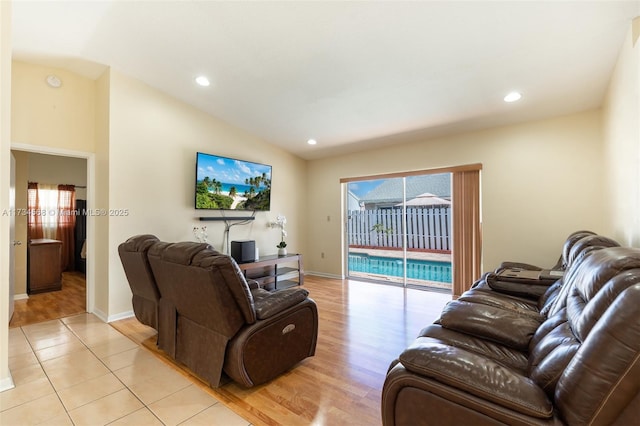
(428, 228)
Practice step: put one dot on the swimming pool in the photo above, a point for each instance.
(428, 270)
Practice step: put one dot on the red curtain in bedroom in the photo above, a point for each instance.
(43, 204)
(66, 224)
(34, 220)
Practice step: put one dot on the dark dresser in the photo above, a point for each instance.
(45, 270)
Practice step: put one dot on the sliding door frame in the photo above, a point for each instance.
(466, 253)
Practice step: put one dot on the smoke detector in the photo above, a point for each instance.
(54, 81)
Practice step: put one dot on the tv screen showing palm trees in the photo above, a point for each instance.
(228, 184)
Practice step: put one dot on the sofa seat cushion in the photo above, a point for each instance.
(476, 375)
(505, 326)
(500, 300)
(501, 354)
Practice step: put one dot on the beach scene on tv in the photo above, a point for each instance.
(230, 184)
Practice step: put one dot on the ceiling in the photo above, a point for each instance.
(352, 75)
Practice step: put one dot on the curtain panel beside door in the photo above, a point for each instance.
(67, 224)
(52, 214)
(467, 233)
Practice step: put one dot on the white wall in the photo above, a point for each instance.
(98, 226)
(60, 118)
(622, 143)
(540, 182)
(145, 144)
(153, 140)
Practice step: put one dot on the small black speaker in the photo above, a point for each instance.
(243, 251)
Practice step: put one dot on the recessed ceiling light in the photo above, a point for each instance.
(312, 142)
(512, 97)
(202, 81)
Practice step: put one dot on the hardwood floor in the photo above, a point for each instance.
(362, 328)
(70, 300)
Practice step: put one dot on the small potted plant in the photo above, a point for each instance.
(282, 248)
(280, 222)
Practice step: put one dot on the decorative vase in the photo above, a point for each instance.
(282, 252)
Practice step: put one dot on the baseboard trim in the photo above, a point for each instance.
(100, 314)
(7, 383)
(324, 275)
(20, 296)
(110, 318)
(122, 315)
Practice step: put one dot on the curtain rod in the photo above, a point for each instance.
(77, 186)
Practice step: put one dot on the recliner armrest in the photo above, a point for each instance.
(533, 286)
(267, 304)
(476, 375)
(253, 284)
(521, 265)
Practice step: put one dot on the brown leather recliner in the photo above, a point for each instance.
(146, 297)
(493, 290)
(579, 366)
(211, 321)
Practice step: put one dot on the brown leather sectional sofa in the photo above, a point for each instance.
(208, 316)
(502, 354)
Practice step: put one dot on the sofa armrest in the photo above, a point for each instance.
(476, 375)
(522, 282)
(521, 265)
(268, 304)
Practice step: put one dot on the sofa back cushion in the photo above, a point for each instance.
(224, 268)
(568, 245)
(603, 378)
(583, 356)
(588, 242)
(581, 250)
(203, 285)
(146, 297)
(577, 247)
(133, 254)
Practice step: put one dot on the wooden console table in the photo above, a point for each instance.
(45, 268)
(273, 271)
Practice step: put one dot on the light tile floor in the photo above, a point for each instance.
(80, 371)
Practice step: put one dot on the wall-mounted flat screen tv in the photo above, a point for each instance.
(229, 184)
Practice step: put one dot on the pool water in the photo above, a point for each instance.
(416, 269)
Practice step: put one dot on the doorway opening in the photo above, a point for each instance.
(46, 165)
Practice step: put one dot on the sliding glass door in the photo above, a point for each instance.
(399, 230)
